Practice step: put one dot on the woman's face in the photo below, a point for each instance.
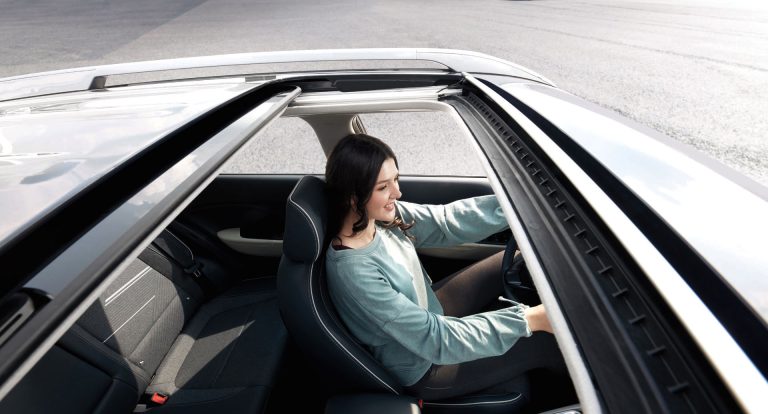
(381, 206)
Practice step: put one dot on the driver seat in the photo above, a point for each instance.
(311, 318)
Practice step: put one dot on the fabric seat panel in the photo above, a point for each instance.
(236, 340)
(141, 316)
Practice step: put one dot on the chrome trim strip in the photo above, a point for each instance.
(745, 381)
(92, 77)
(580, 376)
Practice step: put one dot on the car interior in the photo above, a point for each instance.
(226, 310)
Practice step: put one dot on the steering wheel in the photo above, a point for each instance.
(515, 277)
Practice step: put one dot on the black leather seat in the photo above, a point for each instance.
(311, 319)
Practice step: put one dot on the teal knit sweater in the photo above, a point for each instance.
(376, 297)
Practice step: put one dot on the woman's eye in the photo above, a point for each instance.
(382, 188)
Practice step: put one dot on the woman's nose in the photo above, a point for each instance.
(397, 194)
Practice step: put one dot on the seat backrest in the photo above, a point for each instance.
(305, 305)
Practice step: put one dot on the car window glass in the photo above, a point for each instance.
(288, 146)
(426, 143)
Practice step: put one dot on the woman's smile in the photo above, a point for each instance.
(381, 205)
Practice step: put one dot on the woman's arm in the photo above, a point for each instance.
(462, 221)
(374, 311)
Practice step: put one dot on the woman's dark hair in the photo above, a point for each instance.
(350, 175)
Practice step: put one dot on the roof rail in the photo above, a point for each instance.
(94, 77)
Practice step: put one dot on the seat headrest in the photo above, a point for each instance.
(305, 220)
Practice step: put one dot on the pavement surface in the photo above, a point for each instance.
(696, 70)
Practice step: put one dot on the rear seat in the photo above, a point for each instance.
(153, 331)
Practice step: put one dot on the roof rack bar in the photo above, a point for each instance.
(94, 77)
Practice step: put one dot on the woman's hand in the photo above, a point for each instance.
(537, 319)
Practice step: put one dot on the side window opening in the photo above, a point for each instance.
(426, 143)
(287, 146)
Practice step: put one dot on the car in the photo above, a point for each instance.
(147, 208)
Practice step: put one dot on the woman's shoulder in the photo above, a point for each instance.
(347, 254)
(351, 266)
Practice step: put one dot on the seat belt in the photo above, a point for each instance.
(147, 402)
(180, 253)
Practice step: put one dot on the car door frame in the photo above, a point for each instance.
(597, 295)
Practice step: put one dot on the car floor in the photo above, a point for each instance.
(299, 386)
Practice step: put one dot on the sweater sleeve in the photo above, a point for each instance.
(373, 305)
(462, 221)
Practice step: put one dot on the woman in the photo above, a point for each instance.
(430, 337)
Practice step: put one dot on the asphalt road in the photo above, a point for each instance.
(696, 70)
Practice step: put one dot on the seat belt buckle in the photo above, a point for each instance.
(195, 270)
(159, 398)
